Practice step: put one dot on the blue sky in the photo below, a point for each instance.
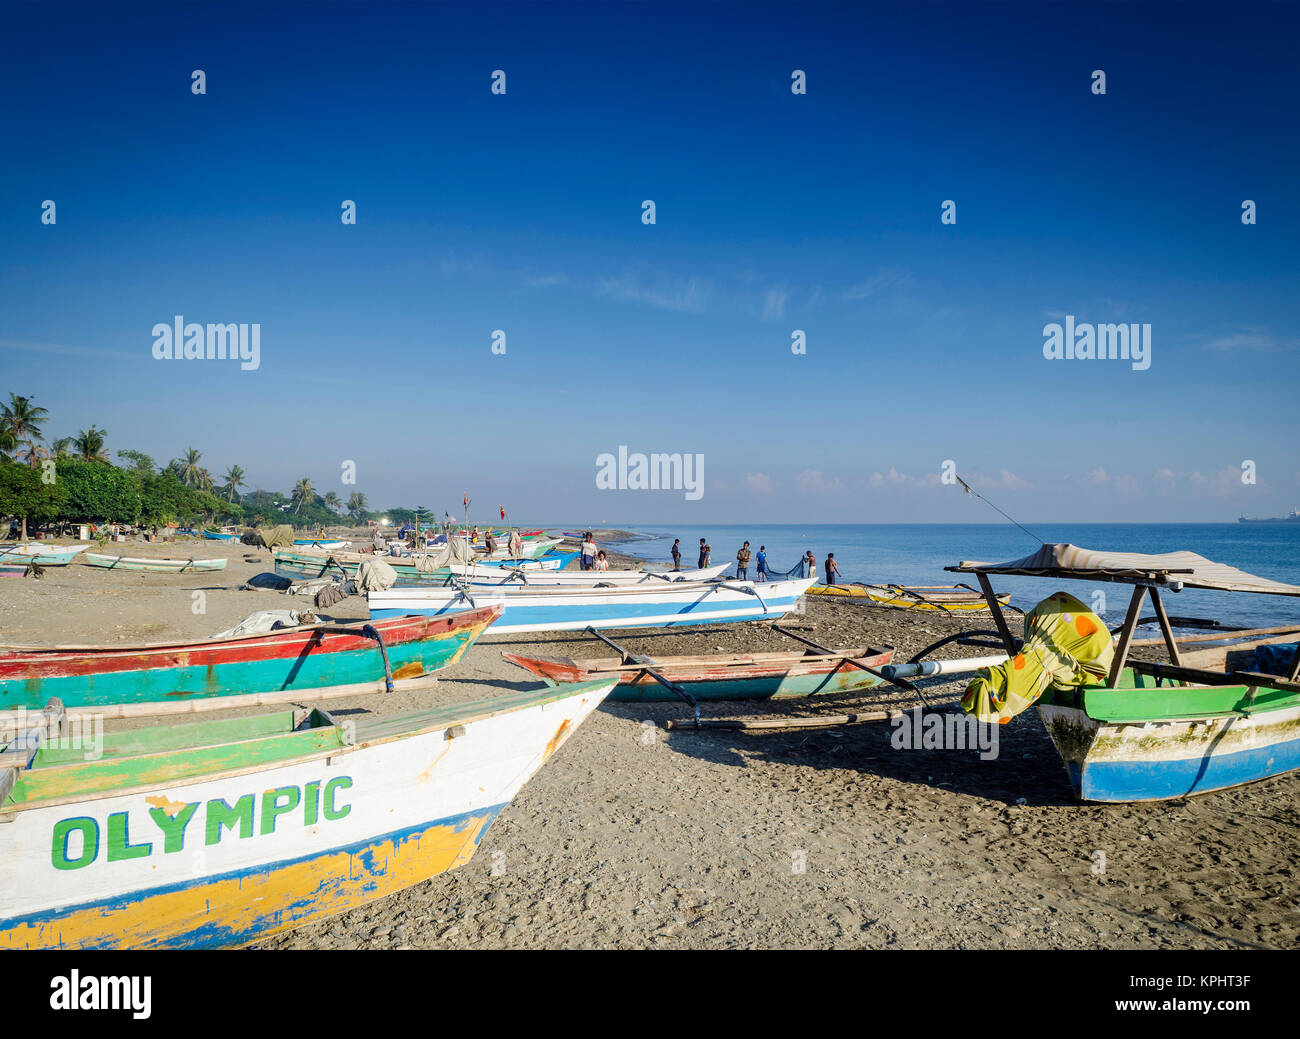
(775, 212)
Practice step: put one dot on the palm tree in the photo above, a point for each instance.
(234, 480)
(302, 491)
(90, 445)
(22, 419)
(204, 480)
(332, 502)
(356, 504)
(187, 469)
(62, 448)
(33, 454)
(8, 442)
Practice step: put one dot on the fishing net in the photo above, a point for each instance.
(1066, 645)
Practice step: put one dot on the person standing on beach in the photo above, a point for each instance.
(831, 568)
(677, 553)
(516, 545)
(810, 564)
(742, 562)
(588, 551)
(601, 562)
(704, 555)
(762, 562)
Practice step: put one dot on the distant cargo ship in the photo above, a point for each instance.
(1292, 517)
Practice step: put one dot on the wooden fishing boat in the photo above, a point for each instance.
(948, 598)
(315, 661)
(40, 554)
(570, 608)
(480, 576)
(171, 566)
(326, 543)
(1161, 730)
(14, 569)
(222, 535)
(310, 564)
(222, 832)
(736, 676)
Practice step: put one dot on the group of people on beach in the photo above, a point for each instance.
(807, 565)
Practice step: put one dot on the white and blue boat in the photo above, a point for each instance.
(40, 554)
(569, 608)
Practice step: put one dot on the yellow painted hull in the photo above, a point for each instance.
(896, 597)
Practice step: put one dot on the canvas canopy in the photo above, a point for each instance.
(280, 536)
(1170, 569)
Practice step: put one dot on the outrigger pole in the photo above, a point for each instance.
(647, 665)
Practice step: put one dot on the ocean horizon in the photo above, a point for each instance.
(916, 554)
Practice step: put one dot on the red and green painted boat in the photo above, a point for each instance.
(741, 676)
(218, 833)
(313, 661)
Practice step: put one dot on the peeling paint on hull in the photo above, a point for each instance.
(1156, 760)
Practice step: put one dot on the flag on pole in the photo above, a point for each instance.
(503, 511)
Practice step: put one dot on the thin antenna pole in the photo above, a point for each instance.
(969, 490)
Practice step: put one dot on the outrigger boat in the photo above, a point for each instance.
(570, 608)
(223, 832)
(1207, 720)
(312, 662)
(326, 543)
(738, 676)
(309, 564)
(41, 555)
(171, 566)
(480, 576)
(222, 535)
(958, 598)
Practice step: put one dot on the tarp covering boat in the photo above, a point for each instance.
(375, 575)
(1169, 568)
(279, 536)
(1066, 645)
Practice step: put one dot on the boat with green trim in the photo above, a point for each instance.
(219, 833)
(1139, 730)
(312, 661)
(40, 554)
(736, 676)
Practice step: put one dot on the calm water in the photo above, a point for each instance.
(917, 553)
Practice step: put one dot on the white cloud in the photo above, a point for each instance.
(676, 294)
(775, 301)
(1005, 480)
(1097, 477)
(1254, 340)
(814, 482)
(760, 482)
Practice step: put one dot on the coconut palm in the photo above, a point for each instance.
(332, 502)
(62, 448)
(22, 419)
(234, 480)
(356, 504)
(302, 491)
(187, 469)
(88, 444)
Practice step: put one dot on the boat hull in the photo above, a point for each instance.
(297, 661)
(228, 859)
(40, 555)
(1156, 760)
(723, 679)
(162, 566)
(573, 609)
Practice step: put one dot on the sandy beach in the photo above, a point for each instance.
(637, 836)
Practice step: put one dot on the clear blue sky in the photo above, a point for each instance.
(775, 212)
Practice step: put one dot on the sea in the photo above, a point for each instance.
(915, 554)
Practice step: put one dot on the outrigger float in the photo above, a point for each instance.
(1215, 716)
